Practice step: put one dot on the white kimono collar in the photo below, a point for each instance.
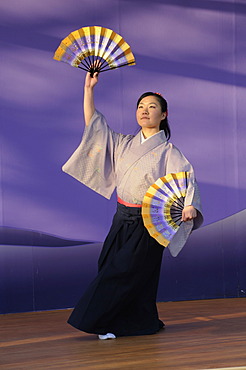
(143, 139)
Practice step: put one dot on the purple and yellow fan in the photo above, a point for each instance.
(162, 206)
(94, 49)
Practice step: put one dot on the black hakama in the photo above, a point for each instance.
(122, 298)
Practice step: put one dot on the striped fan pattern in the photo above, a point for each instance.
(95, 49)
(162, 206)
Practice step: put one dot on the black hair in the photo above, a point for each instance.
(164, 125)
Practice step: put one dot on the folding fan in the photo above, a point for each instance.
(94, 49)
(162, 206)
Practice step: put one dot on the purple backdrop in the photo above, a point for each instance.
(194, 54)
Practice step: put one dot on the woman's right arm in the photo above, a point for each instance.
(89, 107)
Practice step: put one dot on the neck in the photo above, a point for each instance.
(147, 132)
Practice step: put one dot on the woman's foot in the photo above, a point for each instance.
(106, 336)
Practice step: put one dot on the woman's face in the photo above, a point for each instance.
(149, 113)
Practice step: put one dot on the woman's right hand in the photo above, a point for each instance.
(90, 82)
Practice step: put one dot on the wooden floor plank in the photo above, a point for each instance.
(209, 334)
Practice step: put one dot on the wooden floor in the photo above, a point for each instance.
(208, 334)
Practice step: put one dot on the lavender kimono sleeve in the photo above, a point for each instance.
(177, 162)
(92, 163)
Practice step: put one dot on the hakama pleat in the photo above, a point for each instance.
(122, 298)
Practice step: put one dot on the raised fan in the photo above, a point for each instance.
(94, 49)
(162, 206)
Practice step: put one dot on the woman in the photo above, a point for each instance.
(122, 298)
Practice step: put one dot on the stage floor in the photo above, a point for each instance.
(209, 334)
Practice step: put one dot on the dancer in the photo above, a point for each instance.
(121, 300)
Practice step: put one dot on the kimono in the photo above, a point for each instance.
(122, 298)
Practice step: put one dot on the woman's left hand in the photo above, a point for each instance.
(188, 213)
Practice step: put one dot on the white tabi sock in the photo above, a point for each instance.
(107, 336)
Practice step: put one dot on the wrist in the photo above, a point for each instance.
(89, 88)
